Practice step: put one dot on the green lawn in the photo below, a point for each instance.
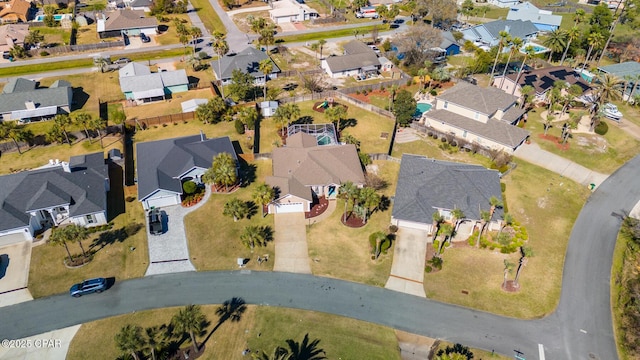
(328, 34)
(260, 328)
(429, 147)
(208, 15)
(170, 36)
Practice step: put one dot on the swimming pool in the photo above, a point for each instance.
(421, 108)
(537, 49)
(57, 17)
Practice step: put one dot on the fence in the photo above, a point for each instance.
(71, 48)
(382, 156)
(454, 140)
(143, 124)
(384, 84)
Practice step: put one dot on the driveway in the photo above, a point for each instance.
(407, 271)
(292, 254)
(50, 346)
(14, 270)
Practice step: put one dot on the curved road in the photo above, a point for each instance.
(581, 327)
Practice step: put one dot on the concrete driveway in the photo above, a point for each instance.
(51, 345)
(407, 271)
(292, 253)
(15, 259)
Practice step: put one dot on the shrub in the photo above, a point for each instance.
(436, 262)
(433, 93)
(409, 82)
(239, 125)
(130, 198)
(189, 187)
(428, 269)
(44, 53)
(393, 229)
(602, 128)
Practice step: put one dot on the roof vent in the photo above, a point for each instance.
(30, 105)
(66, 167)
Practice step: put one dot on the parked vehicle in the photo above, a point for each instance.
(144, 38)
(89, 286)
(122, 61)
(370, 15)
(375, 49)
(155, 222)
(611, 111)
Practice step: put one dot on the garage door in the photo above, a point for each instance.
(162, 201)
(289, 208)
(12, 239)
(413, 225)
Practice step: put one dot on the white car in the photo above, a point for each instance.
(611, 111)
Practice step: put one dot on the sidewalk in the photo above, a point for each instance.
(567, 168)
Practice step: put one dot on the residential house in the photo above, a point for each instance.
(12, 35)
(163, 166)
(426, 186)
(192, 105)
(504, 3)
(626, 71)
(137, 82)
(541, 80)
(449, 44)
(488, 34)
(358, 59)
(55, 194)
(126, 22)
(22, 100)
(544, 20)
(291, 11)
(303, 171)
(144, 5)
(248, 61)
(484, 116)
(16, 11)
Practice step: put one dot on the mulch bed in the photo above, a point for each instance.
(556, 140)
(187, 353)
(222, 189)
(317, 208)
(320, 109)
(352, 221)
(510, 287)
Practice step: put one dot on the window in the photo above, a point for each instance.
(91, 219)
(446, 104)
(477, 115)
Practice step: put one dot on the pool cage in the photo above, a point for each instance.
(325, 134)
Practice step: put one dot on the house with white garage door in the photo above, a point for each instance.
(163, 166)
(58, 193)
(304, 170)
(426, 186)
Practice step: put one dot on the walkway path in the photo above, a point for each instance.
(567, 168)
(327, 213)
(628, 127)
(169, 252)
(407, 270)
(292, 253)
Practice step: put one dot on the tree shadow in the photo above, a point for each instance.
(347, 123)
(110, 237)
(247, 173)
(303, 120)
(252, 209)
(385, 203)
(80, 98)
(267, 233)
(229, 310)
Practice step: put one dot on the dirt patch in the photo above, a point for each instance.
(302, 65)
(361, 97)
(510, 286)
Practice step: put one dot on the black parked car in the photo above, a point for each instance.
(155, 222)
(144, 38)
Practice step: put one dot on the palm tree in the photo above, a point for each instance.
(129, 340)
(594, 40)
(525, 253)
(369, 199)
(102, 62)
(321, 43)
(190, 320)
(263, 195)
(636, 79)
(266, 67)
(222, 172)
(97, 124)
(379, 236)
(528, 51)
(153, 340)
(59, 238)
(195, 33)
(457, 215)
(516, 43)
(440, 74)
(266, 36)
(556, 41)
(84, 119)
(485, 217)
(507, 220)
(422, 74)
(437, 219)
(305, 350)
(335, 114)
(63, 121)
(608, 88)
(18, 134)
(235, 208)
(446, 230)
(527, 91)
(579, 16)
(572, 34)
(504, 40)
(252, 236)
(34, 37)
(495, 203)
(508, 269)
(76, 233)
(221, 48)
(315, 46)
(348, 192)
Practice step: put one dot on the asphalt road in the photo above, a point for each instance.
(581, 327)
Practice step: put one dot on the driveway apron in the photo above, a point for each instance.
(292, 254)
(14, 272)
(407, 271)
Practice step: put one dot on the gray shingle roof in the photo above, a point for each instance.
(83, 188)
(425, 185)
(484, 100)
(495, 130)
(19, 85)
(128, 19)
(160, 163)
(246, 60)
(60, 96)
(527, 11)
(490, 32)
(133, 69)
(351, 62)
(356, 47)
(138, 78)
(620, 70)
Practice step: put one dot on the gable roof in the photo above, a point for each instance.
(490, 31)
(621, 70)
(425, 185)
(527, 11)
(351, 62)
(13, 34)
(483, 100)
(19, 85)
(289, 186)
(128, 19)
(447, 40)
(543, 79)
(246, 60)
(133, 69)
(137, 78)
(16, 8)
(46, 97)
(160, 163)
(356, 47)
(311, 164)
(83, 189)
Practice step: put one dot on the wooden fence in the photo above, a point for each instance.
(71, 48)
(163, 120)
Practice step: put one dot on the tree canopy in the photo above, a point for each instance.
(404, 107)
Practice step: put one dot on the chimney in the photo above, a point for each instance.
(30, 105)
(66, 167)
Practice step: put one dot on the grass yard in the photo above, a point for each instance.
(55, 35)
(170, 36)
(295, 59)
(344, 253)
(368, 127)
(341, 338)
(547, 205)
(240, 19)
(600, 153)
(40, 155)
(171, 106)
(48, 274)
(429, 147)
(88, 35)
(208, 15)
(214, 239)
(622, 261)
(631, 113)
(329, 34)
